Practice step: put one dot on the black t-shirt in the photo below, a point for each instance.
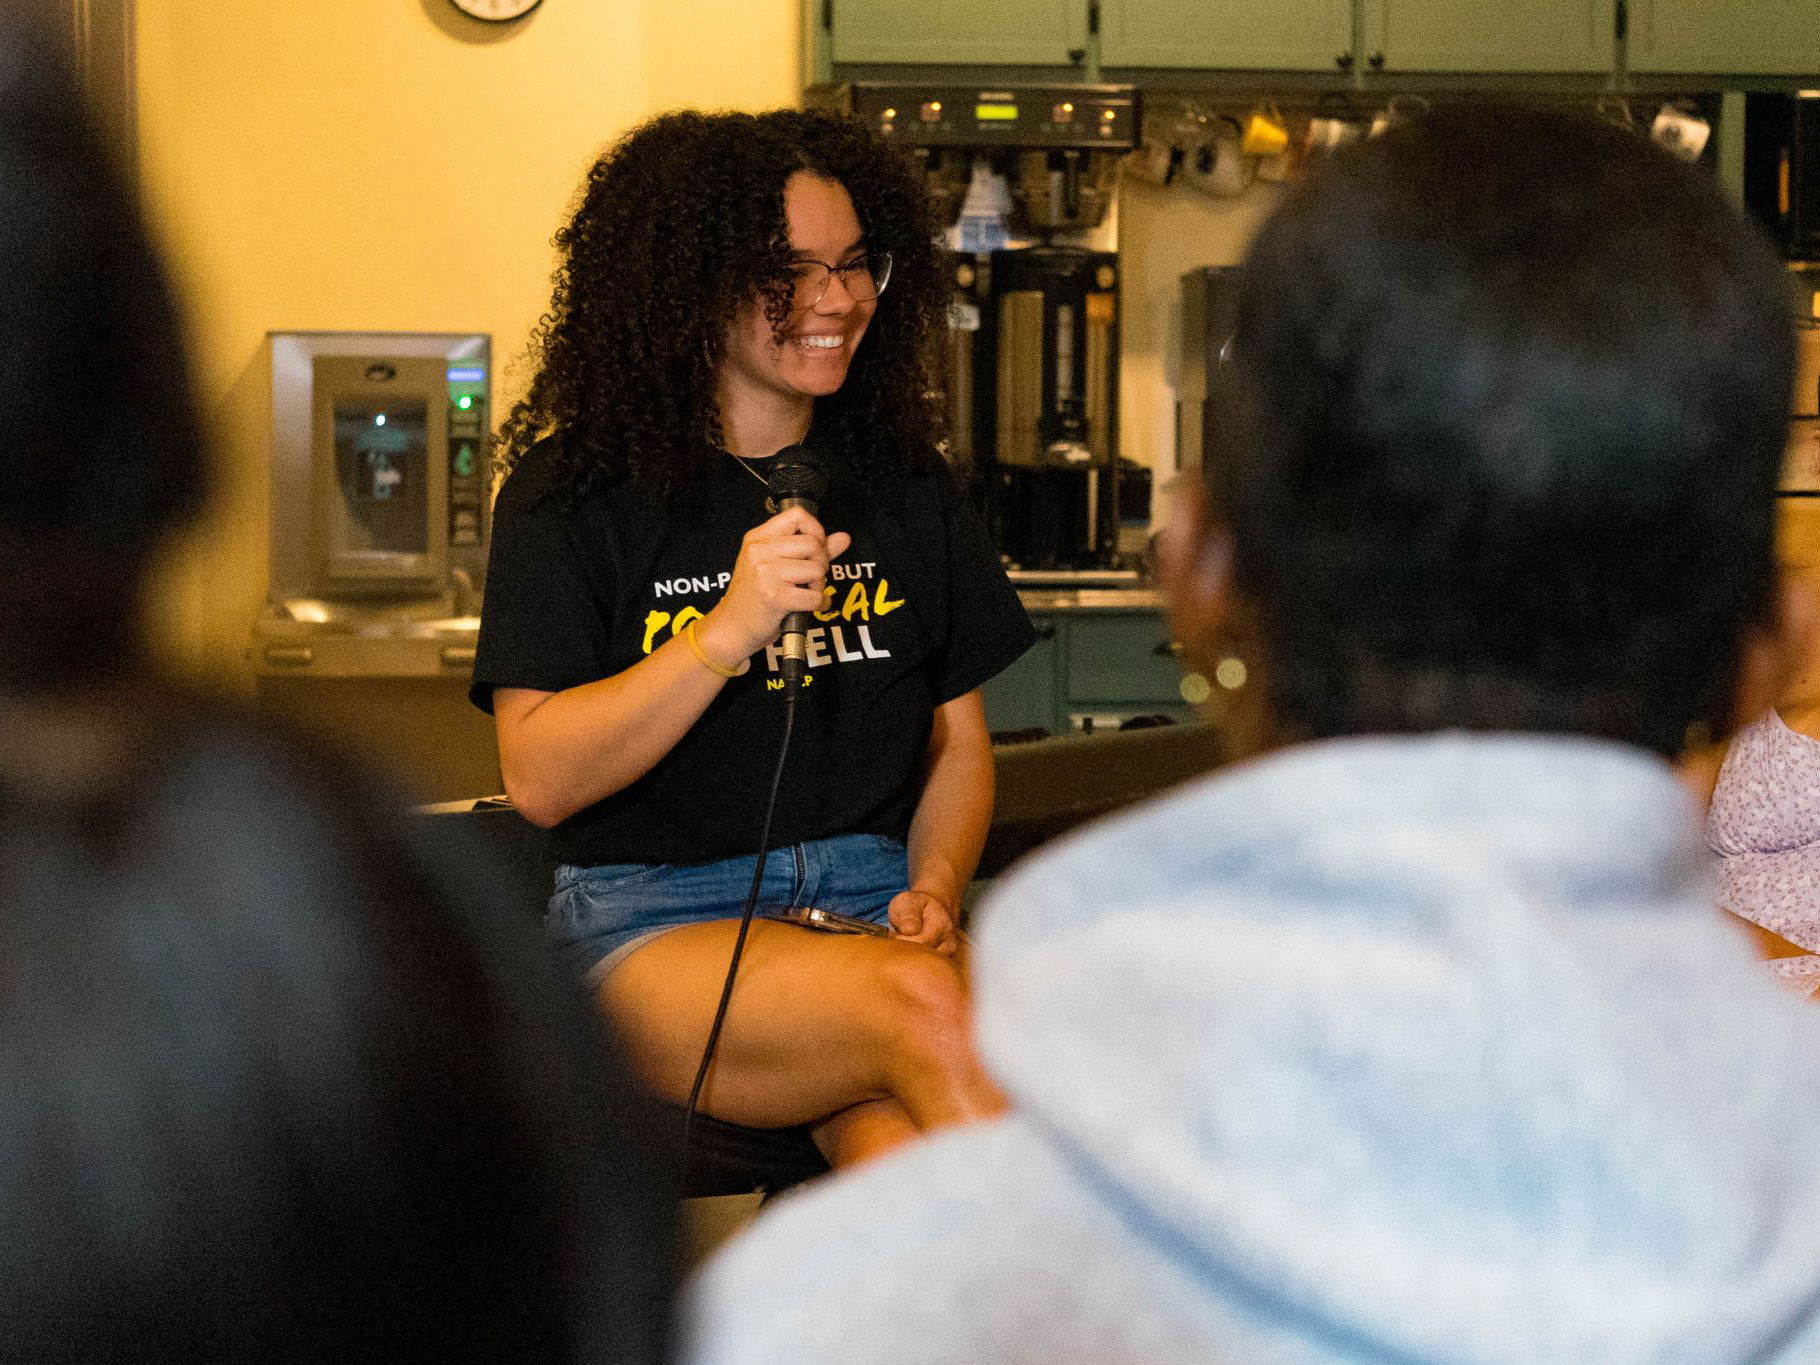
(920, 613)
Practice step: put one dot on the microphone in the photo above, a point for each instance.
(796, 481)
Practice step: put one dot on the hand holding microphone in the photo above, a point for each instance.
(797, 483)
(780, 573)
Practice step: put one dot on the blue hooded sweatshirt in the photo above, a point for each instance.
(1374, 1050)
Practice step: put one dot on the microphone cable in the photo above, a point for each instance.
(745, 921)
(796, 480)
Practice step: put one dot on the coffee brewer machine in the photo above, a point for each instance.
(1031, 381)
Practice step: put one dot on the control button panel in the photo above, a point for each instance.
(1032, 116)
(467, 454)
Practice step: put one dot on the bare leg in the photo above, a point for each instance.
(818, 1024)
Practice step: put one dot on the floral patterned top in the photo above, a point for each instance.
(1764, 824)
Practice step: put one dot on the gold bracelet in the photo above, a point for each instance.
(702, 658)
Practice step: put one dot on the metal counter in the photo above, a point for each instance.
(392, 684)
(1049, 599)
(334, 640)
(1085, 590)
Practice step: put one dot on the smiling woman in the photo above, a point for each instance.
(768, 372)
(681, 229)
(732, 286)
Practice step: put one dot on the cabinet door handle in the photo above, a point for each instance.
(1343, 61)
(1377, 61)
(1169, 649)
(1077, 55)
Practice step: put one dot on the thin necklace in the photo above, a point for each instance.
(762, 480)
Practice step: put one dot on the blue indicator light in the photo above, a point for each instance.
(470, 375)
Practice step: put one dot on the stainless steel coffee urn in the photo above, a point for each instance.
(1051, 397)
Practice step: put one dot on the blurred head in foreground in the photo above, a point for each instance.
(281, 1082)
(1511, 390)
(101, 458)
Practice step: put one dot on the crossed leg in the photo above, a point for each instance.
(865, 1038)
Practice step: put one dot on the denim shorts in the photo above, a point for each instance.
(598, 915)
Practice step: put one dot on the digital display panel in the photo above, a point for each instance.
(381, 468)
(995, 113)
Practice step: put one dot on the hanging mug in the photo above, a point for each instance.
(1217, 164)
(1265, 133)
(1156, 160)
(1336, 122)
(1331, 134)
(1399, 109)
(1679, 128)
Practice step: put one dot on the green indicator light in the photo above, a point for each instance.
(464, 462)
(994, 112)
(465, 402)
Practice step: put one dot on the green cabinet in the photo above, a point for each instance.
(1497, 37)
(1286, 35)
(1745, 37)
(948, 32)
(1514, 36)
(1090, 669)
(1121, 661)
(1517, 36)
(1024, 696)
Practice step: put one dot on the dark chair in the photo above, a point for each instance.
(1045, 788)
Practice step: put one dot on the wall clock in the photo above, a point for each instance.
(496, 11)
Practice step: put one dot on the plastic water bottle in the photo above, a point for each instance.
(982, 225)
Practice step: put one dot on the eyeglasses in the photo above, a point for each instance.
(864, 279)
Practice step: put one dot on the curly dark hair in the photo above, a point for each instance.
(680, 224)
(1507, 471)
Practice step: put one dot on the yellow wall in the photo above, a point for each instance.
(1163, 234)
(388, 165)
